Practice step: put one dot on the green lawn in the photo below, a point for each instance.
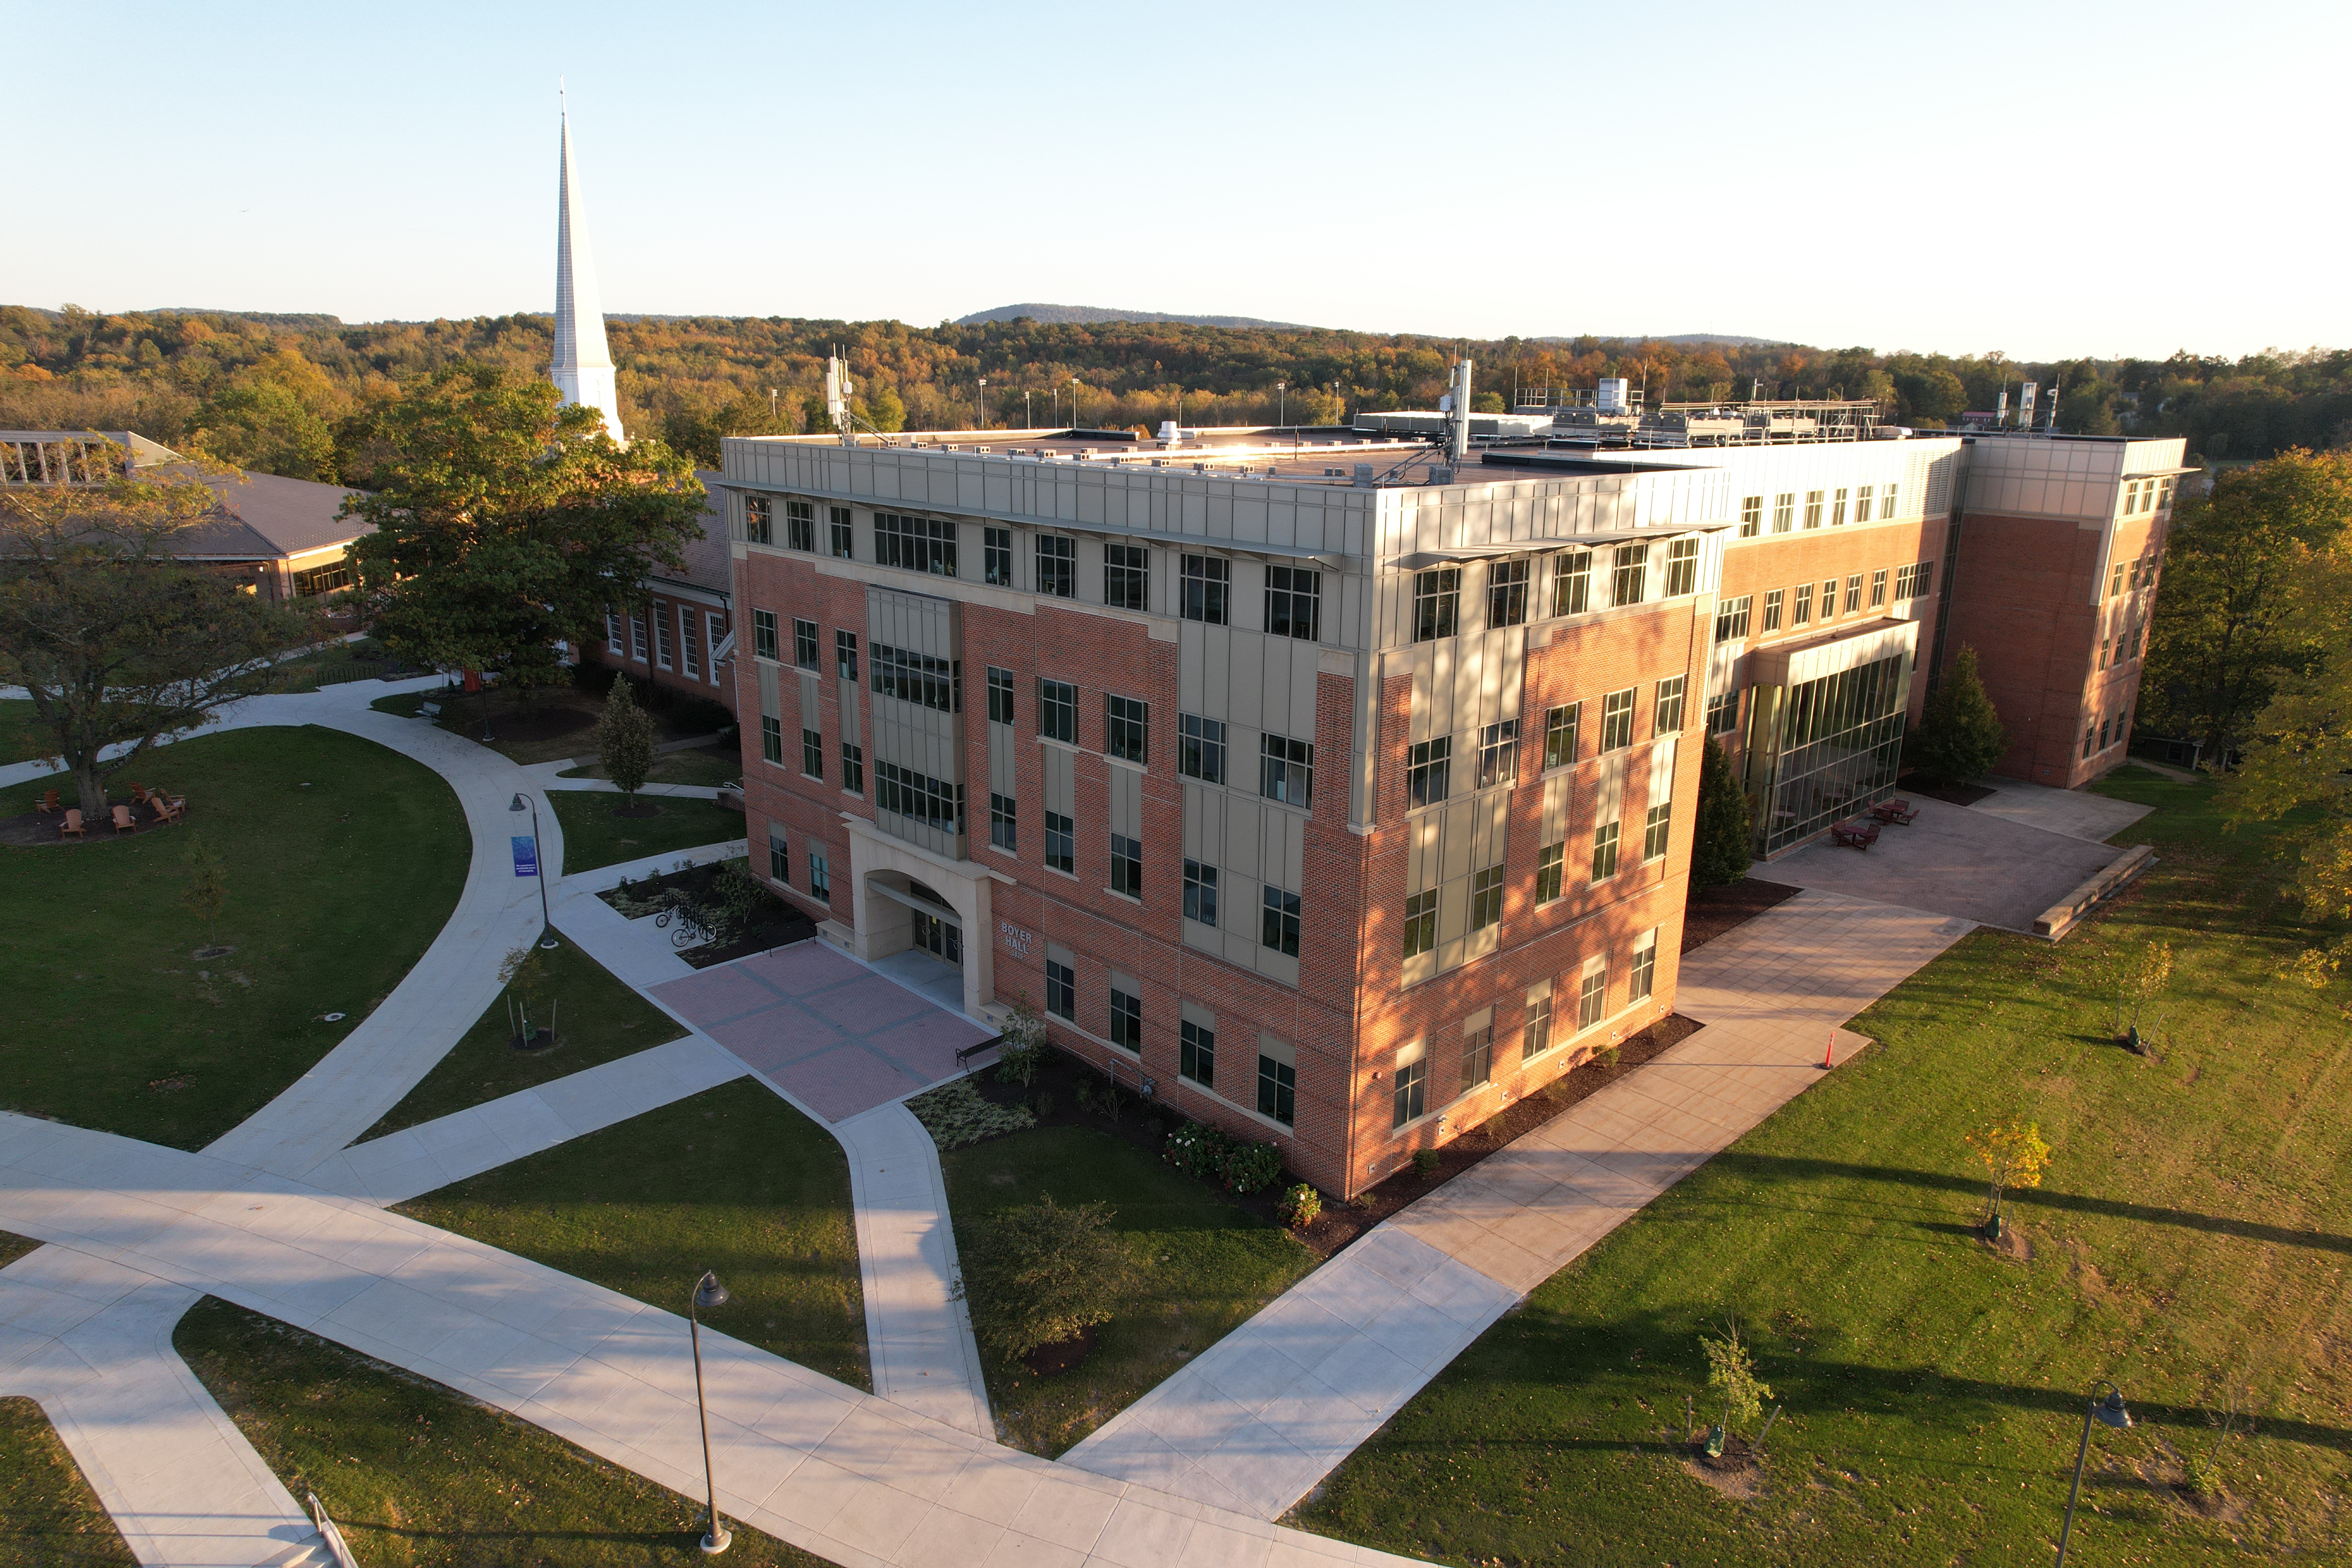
(20, 741)
(419, 1475)
(709, 766)
(596, 1017)
(342, 858)
(49, 1517)
(1208, 1265)
(2190, 1234)
(593, 836)
(554, 723)
(731, 1179)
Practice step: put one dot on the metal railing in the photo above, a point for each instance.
(331, 1537)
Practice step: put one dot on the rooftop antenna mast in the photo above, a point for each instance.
(838, 389)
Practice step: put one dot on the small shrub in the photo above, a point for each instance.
(1731, 1371)
(1041, 1274)
(1424, 1162)
(1249, 1166)
(1301, 1206)
(1086, 1095)
(1198, 1150)
(1045, 1103)
(955, 1115)
(1023, 1053)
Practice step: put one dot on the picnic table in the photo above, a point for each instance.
(1900, 813)
(1854, 833)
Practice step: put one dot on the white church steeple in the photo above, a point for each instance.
(582, 367)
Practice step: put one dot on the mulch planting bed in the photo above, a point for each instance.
(788, 925)
(1950, 794)
(36, 828)
(1712, 912)
(1147, 1128)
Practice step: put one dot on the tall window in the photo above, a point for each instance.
(660, 614)
(1617, 720)
(1507, 593)
(1560, 735)
(1643, 979)
(1784, 512)
(1731, 618)
(1479, 1055)
(1003, 822)
(996, 556)
(1057, 711)
(1666, 713)
(1201, 893)
(1887, 502)
(915, 543)
(1829, 598)
(1287, 770)
(1280, 928)
(1061, 990)
(805, 643)
(1125, 1021)
(1498, 753)
(853, 768)
(1772, 610)
(1278, 1083)
(757, 528)
(1000, 696)
(1682, 568)
(1879, 587)
(637, 637)
(1629, 575)
(1853, 594)
(1604, 851)
(1861, 503)
(613, 643)
(840, 530)
(1421, 921)
(1205, 589)
(1062, 842)
(924, 679)
(1571, 582)
(1549, 861)
(820, 876)
(1294, 603)
(934, 803)
(1436, 600)
(780, 857)
(800, 525)
(1751, 516)
(1538, 1036)
(1057, 566)
(689, 645)
(812, 752)
(1837, 507)
(845, 654)
(1127, 865)
(1486, 898)
(1412, 1091)
(1657, 830)
(1593, 999)
(1802, 610)
(772, 738)
(1196, 1053)
(1200, 747)
(1126, 576)
(1426, 766)
(1127, 728)
(1723, 713)
(1812, 509)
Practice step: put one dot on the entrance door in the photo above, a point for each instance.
(944, 940)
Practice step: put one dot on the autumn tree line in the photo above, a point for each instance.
(290, 394)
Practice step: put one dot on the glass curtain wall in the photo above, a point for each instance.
(1837, 746)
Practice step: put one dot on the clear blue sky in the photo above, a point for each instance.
(2045, 179)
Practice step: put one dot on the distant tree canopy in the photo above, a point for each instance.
(280, 393)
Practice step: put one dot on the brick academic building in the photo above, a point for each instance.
(1338, 787)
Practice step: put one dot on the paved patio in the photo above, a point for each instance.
(1996, 869)
(837, 1037)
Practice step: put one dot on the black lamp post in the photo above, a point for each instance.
(539, 864)
(708, 1293)
(2109, 1410)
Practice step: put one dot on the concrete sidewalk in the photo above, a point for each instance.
(854, 1477)
(1267, 1412)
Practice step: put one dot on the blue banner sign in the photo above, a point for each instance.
(526, 853)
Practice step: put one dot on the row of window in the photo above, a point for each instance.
(2145, 495)
(1196, 1046)
(1410, 1096)
(1429, 765)
(780, 865)
(674, 645)
(1294, 595)
(2096, 736)
(1551, 865)
(1732, 617)
(1437, 593)
(1822, 506)
(2131, 576)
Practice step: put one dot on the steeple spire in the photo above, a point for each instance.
(582, 367)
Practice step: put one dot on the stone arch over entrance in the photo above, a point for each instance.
(901, 893)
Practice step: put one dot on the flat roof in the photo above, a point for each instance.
(1319, 455)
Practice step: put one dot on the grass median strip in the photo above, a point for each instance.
(731, 1179)
(1207, 1265)
(594, 835)
(342, 861)
(417, 1474)
(2187, 1243)
(597, 1019)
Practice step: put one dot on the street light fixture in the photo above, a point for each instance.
(2109, 1410)
(979, 403)
(539, 869)
(1281, 402)
(708, 1293)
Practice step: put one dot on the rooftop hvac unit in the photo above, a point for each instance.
(1167, 431)
(1363, 473)
(1611, 398)
(1441, 474)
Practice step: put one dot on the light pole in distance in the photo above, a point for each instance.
(708, 1293)
(2109, 1410)
(539, 869)
(1281, 402)
(979, 403)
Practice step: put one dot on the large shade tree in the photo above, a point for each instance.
(118, 645)
(506, 521)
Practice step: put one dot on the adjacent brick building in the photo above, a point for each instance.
(681, 636)
(1323, 788)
